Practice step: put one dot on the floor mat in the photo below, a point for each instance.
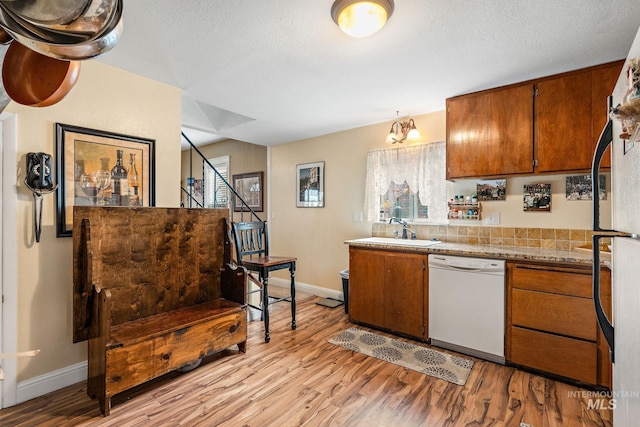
(422, 359)
(330, 302)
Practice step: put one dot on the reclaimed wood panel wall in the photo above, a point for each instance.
(152, 260)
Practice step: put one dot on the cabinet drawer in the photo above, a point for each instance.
(543, 279)
(559, 314)
(568, 357)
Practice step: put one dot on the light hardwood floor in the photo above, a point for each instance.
(300, 379)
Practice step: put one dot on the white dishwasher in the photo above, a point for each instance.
(466, 305)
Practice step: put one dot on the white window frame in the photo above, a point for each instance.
(216, 192)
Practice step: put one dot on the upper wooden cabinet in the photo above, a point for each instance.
(563, 123)
(548, 125)
(490, 133)
(603, 81)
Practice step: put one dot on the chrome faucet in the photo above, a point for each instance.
(405, 229)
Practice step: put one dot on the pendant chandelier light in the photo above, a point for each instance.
(401, 130)
(361, 18)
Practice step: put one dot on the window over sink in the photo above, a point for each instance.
(409, 179)
(401, 195)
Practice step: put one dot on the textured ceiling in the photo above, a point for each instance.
(271, 72)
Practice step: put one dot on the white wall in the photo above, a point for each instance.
(104, 98)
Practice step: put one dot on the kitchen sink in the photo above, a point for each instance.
(396, 242)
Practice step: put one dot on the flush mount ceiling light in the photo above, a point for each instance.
(401, 130)
(361, 18)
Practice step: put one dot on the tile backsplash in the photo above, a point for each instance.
(548, 238)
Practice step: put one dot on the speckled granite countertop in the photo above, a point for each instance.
(515, 253)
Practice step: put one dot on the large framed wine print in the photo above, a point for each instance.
(99, 168)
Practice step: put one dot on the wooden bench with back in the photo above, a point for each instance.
(153, 291)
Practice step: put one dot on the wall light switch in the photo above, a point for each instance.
(493, 219)
(273, 215)
(357, 217)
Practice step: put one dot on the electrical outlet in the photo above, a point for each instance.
(493, 219)
(357, 217)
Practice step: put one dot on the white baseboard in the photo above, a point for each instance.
(61, 378)
(305, 287)
(51, 381)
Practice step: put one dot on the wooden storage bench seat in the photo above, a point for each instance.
(154, 291)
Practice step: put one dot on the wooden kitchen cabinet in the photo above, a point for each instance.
(546, 125)
(387, 289)
(563, 123)
(490, 133)
(603, 82)
(366, 286)
(551, 322)
(570, 112)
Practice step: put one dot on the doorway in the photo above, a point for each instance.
(8, 259)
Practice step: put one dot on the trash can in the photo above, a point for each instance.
(345, 289)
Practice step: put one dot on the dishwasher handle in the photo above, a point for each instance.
(466, 265)
(455, 267)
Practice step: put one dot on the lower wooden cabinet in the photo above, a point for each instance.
(551, 322)
(388, 289)
(568, 357)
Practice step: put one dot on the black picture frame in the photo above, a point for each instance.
(250, 187)
(80, 151)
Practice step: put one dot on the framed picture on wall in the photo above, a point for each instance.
(98, 168)
(249, 188)
(310, 185)
(580, 187)
(488, 190)
(537, 198)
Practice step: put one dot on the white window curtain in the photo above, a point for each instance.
(422, 167)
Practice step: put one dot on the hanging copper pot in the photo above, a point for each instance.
(36, 80)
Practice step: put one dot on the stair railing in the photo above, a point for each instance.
(190, 199)
(245, 208)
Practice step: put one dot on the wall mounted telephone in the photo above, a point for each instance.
(40, 180)
(39, 177)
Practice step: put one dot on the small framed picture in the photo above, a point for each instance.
(310, 185)
(491, 190)
(537, 198)
(249, 187)
(580, 187)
